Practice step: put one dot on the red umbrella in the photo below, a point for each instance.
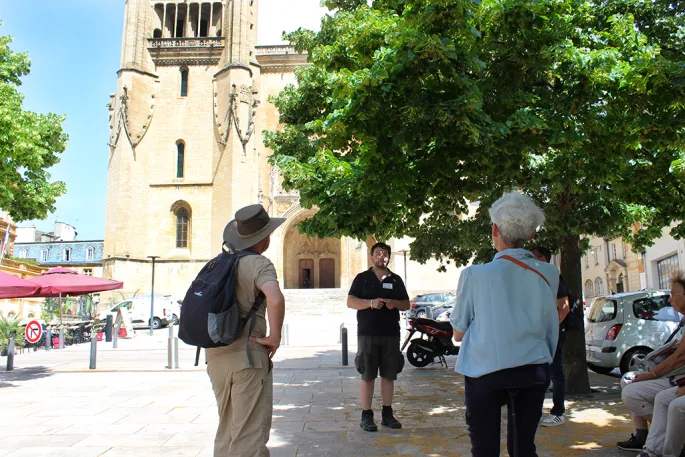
(62, 281)
(14, 287)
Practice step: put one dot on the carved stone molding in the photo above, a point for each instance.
(244, 128)
(186, 51)
(120, 120)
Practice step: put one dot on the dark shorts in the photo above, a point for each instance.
(378, 354)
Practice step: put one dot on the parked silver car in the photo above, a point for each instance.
(622, 328)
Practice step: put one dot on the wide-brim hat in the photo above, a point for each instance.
(251, 225)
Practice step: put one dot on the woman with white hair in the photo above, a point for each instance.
(506, 318)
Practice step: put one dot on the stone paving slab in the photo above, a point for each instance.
(132, 406)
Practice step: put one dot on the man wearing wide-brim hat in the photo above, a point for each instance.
(244, 393)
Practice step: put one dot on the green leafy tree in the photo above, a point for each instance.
(30, 143)
(10, 327)
(413, 110)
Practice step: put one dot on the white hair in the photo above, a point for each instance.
(517, 217)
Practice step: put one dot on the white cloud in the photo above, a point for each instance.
(277, 16)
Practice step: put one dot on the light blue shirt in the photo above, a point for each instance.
(508, 314)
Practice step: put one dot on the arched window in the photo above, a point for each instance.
(66, 255)
(588, 289)
(44, 255)
(90, 253)
(157, 33)
(180, 158)
(23, 253)
(11, 315)
(184, 82)
(599, 285)
(31, 315)
(182, 227)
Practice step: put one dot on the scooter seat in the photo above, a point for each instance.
(446, 326)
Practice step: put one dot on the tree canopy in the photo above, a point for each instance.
(411, 109)
(30, 143)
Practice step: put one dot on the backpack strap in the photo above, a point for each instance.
(259, 300)
(527, 267)
(197, 355)
(252, 317)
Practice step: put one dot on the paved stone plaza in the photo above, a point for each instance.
(53, 405)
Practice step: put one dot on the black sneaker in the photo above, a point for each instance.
(633, 444)
(388, 420)
(367, 422)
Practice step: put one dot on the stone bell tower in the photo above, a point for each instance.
(182, 150)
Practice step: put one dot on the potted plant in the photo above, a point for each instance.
(10, 327)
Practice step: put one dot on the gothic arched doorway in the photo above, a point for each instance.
(310, 263)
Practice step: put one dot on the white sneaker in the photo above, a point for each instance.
(552, 421)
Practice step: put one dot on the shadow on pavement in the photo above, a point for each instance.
(23, 374)
(317, 411)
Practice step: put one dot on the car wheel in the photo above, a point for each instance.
(600, 370)
(421, 314)
(417, 356)
(633, 359)
(174, 319)
(156, 323)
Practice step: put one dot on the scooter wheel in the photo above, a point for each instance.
(417, 356)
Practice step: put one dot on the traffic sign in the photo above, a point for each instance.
(33, 332)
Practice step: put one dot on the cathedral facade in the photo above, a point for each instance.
(186, 151)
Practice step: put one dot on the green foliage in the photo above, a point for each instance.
(413, 110)
(30, 143)
(18, 259)
(10, 327)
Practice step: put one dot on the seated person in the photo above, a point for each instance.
(655, 386)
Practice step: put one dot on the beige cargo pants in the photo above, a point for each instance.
(244, 397)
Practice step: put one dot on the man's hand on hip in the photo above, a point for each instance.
(272, 342)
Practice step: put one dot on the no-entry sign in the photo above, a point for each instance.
(33, 332)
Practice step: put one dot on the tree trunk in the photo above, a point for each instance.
(575, 365)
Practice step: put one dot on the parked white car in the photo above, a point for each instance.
(622, 328)
(139, 309)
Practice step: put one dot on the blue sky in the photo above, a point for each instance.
(74, 46)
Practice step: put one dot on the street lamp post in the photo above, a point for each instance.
(152, 293)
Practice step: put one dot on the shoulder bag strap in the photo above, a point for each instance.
(527, 267)
(675, 332)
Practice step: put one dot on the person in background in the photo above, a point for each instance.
(378, 295)
(506, 318)
(556, 415)
(656, 396)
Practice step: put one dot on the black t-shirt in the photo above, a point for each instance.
(384, 321)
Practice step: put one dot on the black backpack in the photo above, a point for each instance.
(210, 317)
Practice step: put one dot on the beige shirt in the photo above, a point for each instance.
(253, 272)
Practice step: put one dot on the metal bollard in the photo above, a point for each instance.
(93, 352)
(176, 353)
(344, 347)
(172, 350)
(61, 338)
(48, 339)
(10, 354)
(108, 329)
(115, 336)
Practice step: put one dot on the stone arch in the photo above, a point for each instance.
(309, 262)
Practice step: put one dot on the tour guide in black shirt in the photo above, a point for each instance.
(378, 295)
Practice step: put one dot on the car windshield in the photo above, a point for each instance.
(602, 310)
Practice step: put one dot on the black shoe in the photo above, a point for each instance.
(633, 444)
(389, 420)
(367, 422)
